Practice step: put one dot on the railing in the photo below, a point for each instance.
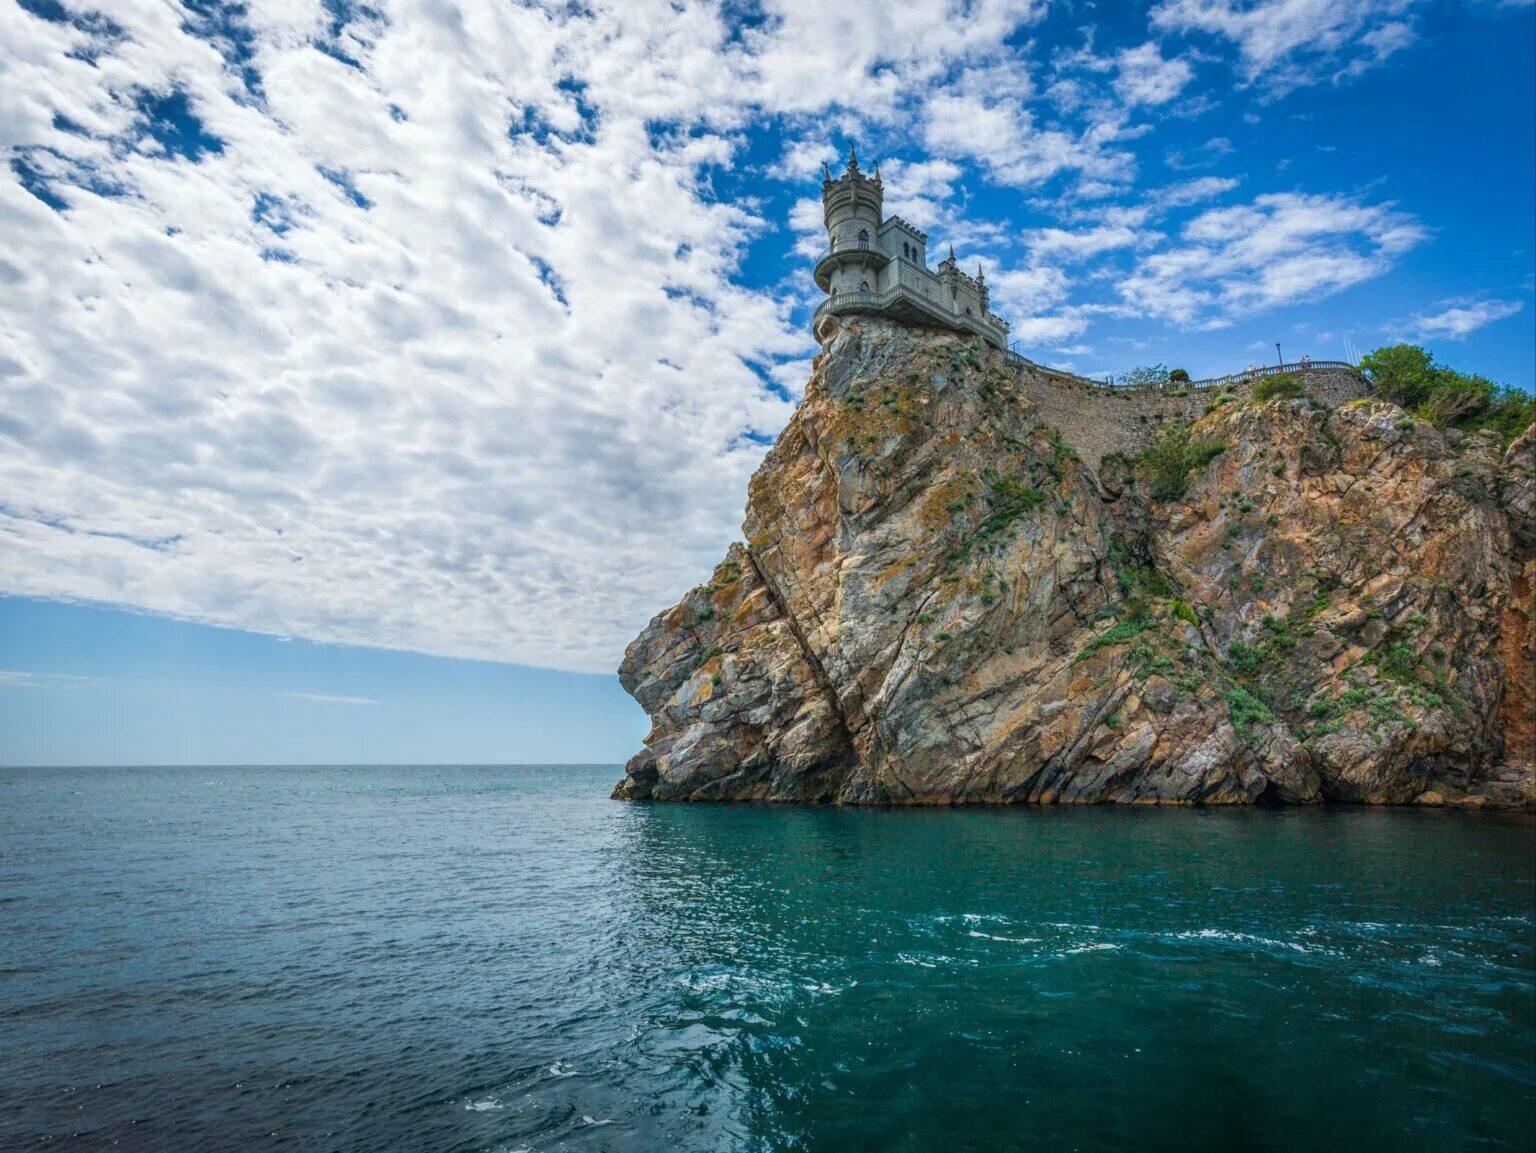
(1255, 373)
(1184, 385)
(914, 284)
(921, 293)
(867, 247)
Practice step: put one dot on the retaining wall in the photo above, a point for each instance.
(1097, 421)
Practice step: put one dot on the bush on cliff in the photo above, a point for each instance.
(1408, 375)
(1282, 386)
(1167, 462)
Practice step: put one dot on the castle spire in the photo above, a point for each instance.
(853, 158)
(951, 253)
(981, 277)
(826, 173)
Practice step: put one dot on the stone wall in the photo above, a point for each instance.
(1097, 421)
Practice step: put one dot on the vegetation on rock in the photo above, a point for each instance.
(1168, 461)
(1410, 377)
(1281, 386)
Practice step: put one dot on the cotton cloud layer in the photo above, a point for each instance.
(424, 324)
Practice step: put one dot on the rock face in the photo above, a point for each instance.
(939, 602)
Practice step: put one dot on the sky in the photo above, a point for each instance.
(418, 352)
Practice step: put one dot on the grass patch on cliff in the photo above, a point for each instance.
(1122, 633)
(725, 575)
(1010, 499)
(1007, 499)
(1246, 711)
(1167, 462)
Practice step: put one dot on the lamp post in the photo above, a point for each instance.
(1279, 354)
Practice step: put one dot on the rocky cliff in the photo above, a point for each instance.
(939, 602)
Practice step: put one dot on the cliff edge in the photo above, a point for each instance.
(939, 601)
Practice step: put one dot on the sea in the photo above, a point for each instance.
(502, 959)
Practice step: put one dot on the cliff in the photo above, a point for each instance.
(939, 601)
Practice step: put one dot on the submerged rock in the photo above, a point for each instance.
(939, 602)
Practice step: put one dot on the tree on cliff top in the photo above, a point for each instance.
(1408, 375)
(1147, 376)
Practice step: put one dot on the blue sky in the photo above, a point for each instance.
(443, 337)
(103, 686)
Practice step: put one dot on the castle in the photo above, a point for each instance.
(878, 265)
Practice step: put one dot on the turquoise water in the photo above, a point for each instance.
(401, 959)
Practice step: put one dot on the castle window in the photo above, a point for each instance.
(863, 238)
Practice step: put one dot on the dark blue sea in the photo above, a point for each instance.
(501, 959)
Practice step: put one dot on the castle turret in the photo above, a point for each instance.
(853, 208)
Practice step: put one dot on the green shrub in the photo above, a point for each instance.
(1409, 376)
(1399, 661)
(1178, 376)
(1246, 659)
(1167, 462)
(1281, 386)
(1246, 710)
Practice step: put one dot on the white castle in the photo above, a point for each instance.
(879, 264)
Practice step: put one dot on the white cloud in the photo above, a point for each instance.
(1033, 301)
(802, 160)
(1206, 155)
(1080, 243)
(1286, 44)
(986, 114)
(17, 679)
(330, 699)
(921, 192)
(1193, 191)
(1002, 135)
(1145, 77)
(1279, 249)
(1457, 319)
(1021, 291)
(807, 54)
(1047, 330)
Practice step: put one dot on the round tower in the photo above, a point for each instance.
(853, 207)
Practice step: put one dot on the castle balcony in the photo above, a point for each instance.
(915, 300)
(867, 253)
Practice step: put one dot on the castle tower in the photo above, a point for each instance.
(876, 265)
(853, 209)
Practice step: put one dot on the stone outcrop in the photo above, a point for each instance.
(938, 601)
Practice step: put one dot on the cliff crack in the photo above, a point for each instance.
(818, 670)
